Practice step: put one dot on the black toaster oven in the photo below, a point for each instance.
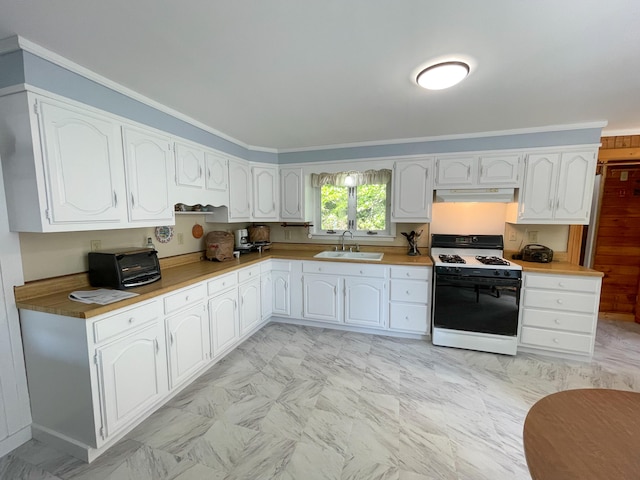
(124, 268)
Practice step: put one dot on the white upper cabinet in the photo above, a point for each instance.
(412, 190)
(216, 179)
(499, 170)
(557, 188)
(239, 191)
(189, 166)
(296, 199)
(265, 193)
(148, 167)
(473, 171)
(456, 171)
(82, 155)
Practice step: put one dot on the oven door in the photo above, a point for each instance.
(477, 304)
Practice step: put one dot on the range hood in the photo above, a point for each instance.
(494, 195)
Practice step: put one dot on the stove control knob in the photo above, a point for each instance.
(456, 269)
(507, 273)
(497, 272)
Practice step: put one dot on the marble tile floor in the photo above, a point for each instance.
(301, 403)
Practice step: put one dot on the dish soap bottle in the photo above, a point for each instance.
(150, 244)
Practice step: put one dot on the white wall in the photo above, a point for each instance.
(15, 415)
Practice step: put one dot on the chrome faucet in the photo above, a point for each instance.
(350, 233)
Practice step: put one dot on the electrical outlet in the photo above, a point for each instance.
(533, 237)
(512, 236)
(287, 234)
(180, 238)
(96, 245)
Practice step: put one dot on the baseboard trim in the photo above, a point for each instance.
(15, 440)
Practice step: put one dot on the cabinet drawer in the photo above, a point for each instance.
(221, 283)
(554, 340)
(408, 317)
(565, 301)
(188, 296)
(562, 282)
(345, 269)
(124, 321)
(411, 273)
(249, 273)
(281, 265)
(410, 291)
(573, 322)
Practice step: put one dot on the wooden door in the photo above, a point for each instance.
(618, 243)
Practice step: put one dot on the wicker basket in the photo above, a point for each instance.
(219, 246)
(259, 233)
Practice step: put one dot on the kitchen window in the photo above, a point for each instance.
(355, 201)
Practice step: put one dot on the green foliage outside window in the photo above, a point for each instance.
(370, 205)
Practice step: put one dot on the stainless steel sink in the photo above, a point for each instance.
(374, 256)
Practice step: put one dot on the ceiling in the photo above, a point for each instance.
(294, 74)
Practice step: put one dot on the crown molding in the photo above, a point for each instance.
(458, 136)
(621, 133)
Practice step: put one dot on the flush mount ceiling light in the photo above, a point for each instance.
(442, 75)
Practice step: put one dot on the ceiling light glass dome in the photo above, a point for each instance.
(442, 75)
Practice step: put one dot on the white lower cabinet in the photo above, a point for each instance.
(187, 343)
(249, 298)
(224, 321)
(410, 299)
(364, 302)
(266, 290)
(322, 300)
(132, 377)
(559, 313)
(350, 294)
(281, 288)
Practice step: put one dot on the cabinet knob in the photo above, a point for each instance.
(224, 283)
(555, 340)
(560, 302)
(319, 269)
(186, 298)
(361, 272)
(131, 320)
(406, 317)
(557, 322)
(408, 274)
(561, 284)
(408, 292)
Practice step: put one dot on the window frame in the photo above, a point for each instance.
(384, 235)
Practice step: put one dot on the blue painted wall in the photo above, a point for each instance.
(11, 69)
(24, 67)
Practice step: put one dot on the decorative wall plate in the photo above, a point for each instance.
(197, 231)
(164, 234)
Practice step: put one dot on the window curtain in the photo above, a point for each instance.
(352, 178)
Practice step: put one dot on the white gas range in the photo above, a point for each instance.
(476, 293)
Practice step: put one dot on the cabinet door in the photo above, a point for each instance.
(575, 187)
(148, 166)
(455, 171)
(412, 191)
(239, 191)
(265, 191)
(83, 165)
(364, 301)
(216, 179)
(280, 293)
(132, 375)
(321, 299)
(224, 321)
(249, 299)
(499, 170)
(188, 343)
(266, 295)
(538, 194)
(291, 194)
(189, 166)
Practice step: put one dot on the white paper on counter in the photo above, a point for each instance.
(101, 296)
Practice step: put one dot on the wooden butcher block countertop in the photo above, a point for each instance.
(52, 295)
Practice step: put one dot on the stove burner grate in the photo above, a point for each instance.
(451, 258)
(492, 260)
